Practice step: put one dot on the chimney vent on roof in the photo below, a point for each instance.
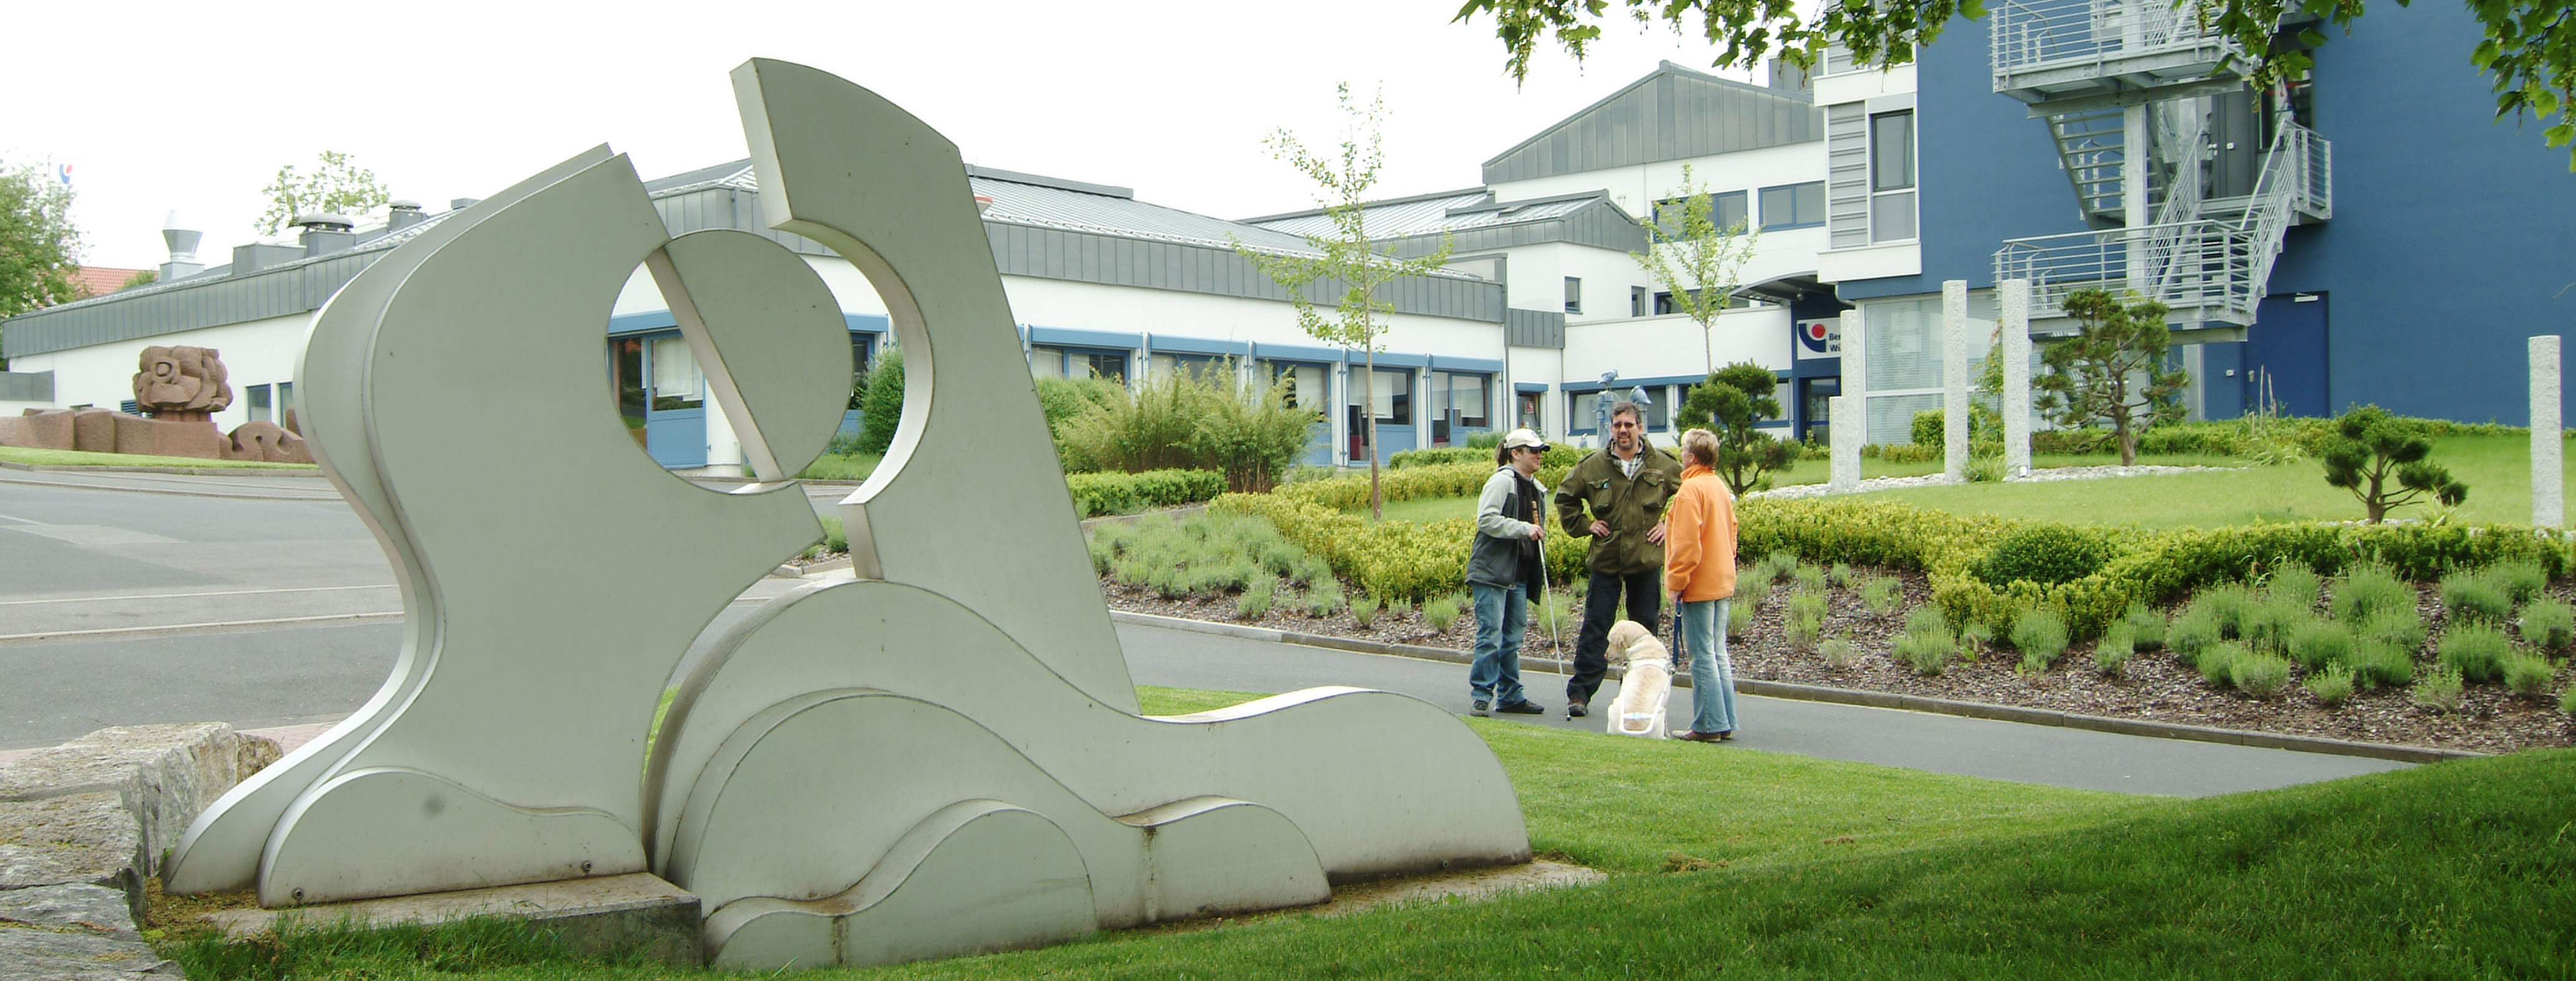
(327, 233)
(403, 214)
(183, 248)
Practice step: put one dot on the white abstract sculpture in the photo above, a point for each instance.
(943, 756)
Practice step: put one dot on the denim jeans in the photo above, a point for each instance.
(1502, 617)
(1712, 677)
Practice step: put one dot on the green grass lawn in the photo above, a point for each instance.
(2496, 468)
(76, 458)
(1735, 863)
(839, 466)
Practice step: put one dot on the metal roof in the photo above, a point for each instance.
(1673, 113)
(1475, 222)
(1040, 226)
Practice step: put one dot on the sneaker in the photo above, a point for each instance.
(1522, 707)
(1577, 710)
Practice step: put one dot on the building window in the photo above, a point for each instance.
(1207, 367)
(258, 407)
(1659, 409)
(1391, 394)
(1580, 417)
(1727, 210)
(1467, 395)
(1793, 206)
(1527, 411)
(1300, 386)
(285, 402)
(1640, 301)
(1059, 362)
(1573, 295)
(677, 384)
(1891, 176)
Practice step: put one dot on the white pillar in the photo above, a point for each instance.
(2014, 346)
(1954, 378)
(1855, 380)
(1846, 443)
(2135, 157)
(2548, 436)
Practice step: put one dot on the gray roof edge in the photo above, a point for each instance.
(1059, 183)
(1365, 205)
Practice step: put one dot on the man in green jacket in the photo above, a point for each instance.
(1616, 497)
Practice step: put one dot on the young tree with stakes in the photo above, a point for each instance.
(1345, 259)
(1697, 261)
(337, 185)
(2113, 370)
(2369, 446)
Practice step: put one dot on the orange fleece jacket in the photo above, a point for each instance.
(1699, 543)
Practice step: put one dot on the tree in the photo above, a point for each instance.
(141, 277)
(2368, 446)
(1737, 398)
(1345, 258)
(1697, 261)
(2113, 370)
(337, 185)
(883, 409)
(2529, 50)
(39, 248)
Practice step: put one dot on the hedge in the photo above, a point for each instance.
(1414, 560)
(1128, 493)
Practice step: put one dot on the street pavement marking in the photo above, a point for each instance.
(154, 596)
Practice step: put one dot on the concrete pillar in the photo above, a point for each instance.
(2548, 436)
(1846, 442)
(1954, 378)
(1855, 368)
(2014, 347)
(2136, 156)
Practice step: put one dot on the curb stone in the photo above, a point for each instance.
(1846, 696)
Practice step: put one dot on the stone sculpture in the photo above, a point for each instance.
(943, 756)
(182, 383)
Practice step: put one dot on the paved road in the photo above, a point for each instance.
(263, 602)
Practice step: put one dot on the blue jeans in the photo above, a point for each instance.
(1502, 617)
(1712, 677)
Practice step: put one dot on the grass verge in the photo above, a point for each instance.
(76, 458)
(1749, 864)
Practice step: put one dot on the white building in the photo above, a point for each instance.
(1541, 301)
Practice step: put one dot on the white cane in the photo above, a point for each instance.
(1547, 594)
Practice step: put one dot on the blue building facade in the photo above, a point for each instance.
(2428, 243)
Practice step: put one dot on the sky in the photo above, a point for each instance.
(157, 106)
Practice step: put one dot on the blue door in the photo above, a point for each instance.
(2286, 350)
(675, 419)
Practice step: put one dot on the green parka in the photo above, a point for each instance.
(1630, 506)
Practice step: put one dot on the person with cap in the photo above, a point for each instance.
(1503, 572)
(1616, 497)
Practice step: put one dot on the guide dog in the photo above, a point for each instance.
(1639, 710)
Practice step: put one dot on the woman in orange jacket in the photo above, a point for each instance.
(1699, 570)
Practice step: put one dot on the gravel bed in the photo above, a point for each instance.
(1929, 480)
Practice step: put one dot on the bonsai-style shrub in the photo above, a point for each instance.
(2369, 448)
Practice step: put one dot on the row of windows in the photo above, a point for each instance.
(1785, 206)
(1466, 397)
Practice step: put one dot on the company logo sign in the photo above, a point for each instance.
(1817, 338)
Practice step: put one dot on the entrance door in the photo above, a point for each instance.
(675, 423)
(2286, 351)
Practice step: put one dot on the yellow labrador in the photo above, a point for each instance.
(1639, 710)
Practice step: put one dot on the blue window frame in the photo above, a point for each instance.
(1793, 206)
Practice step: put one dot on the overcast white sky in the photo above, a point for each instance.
(194, 106)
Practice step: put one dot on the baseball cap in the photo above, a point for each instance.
(1523, 437)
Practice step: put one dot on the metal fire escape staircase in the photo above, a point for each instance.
(2085, 66)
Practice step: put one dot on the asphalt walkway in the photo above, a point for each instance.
(128, 599)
